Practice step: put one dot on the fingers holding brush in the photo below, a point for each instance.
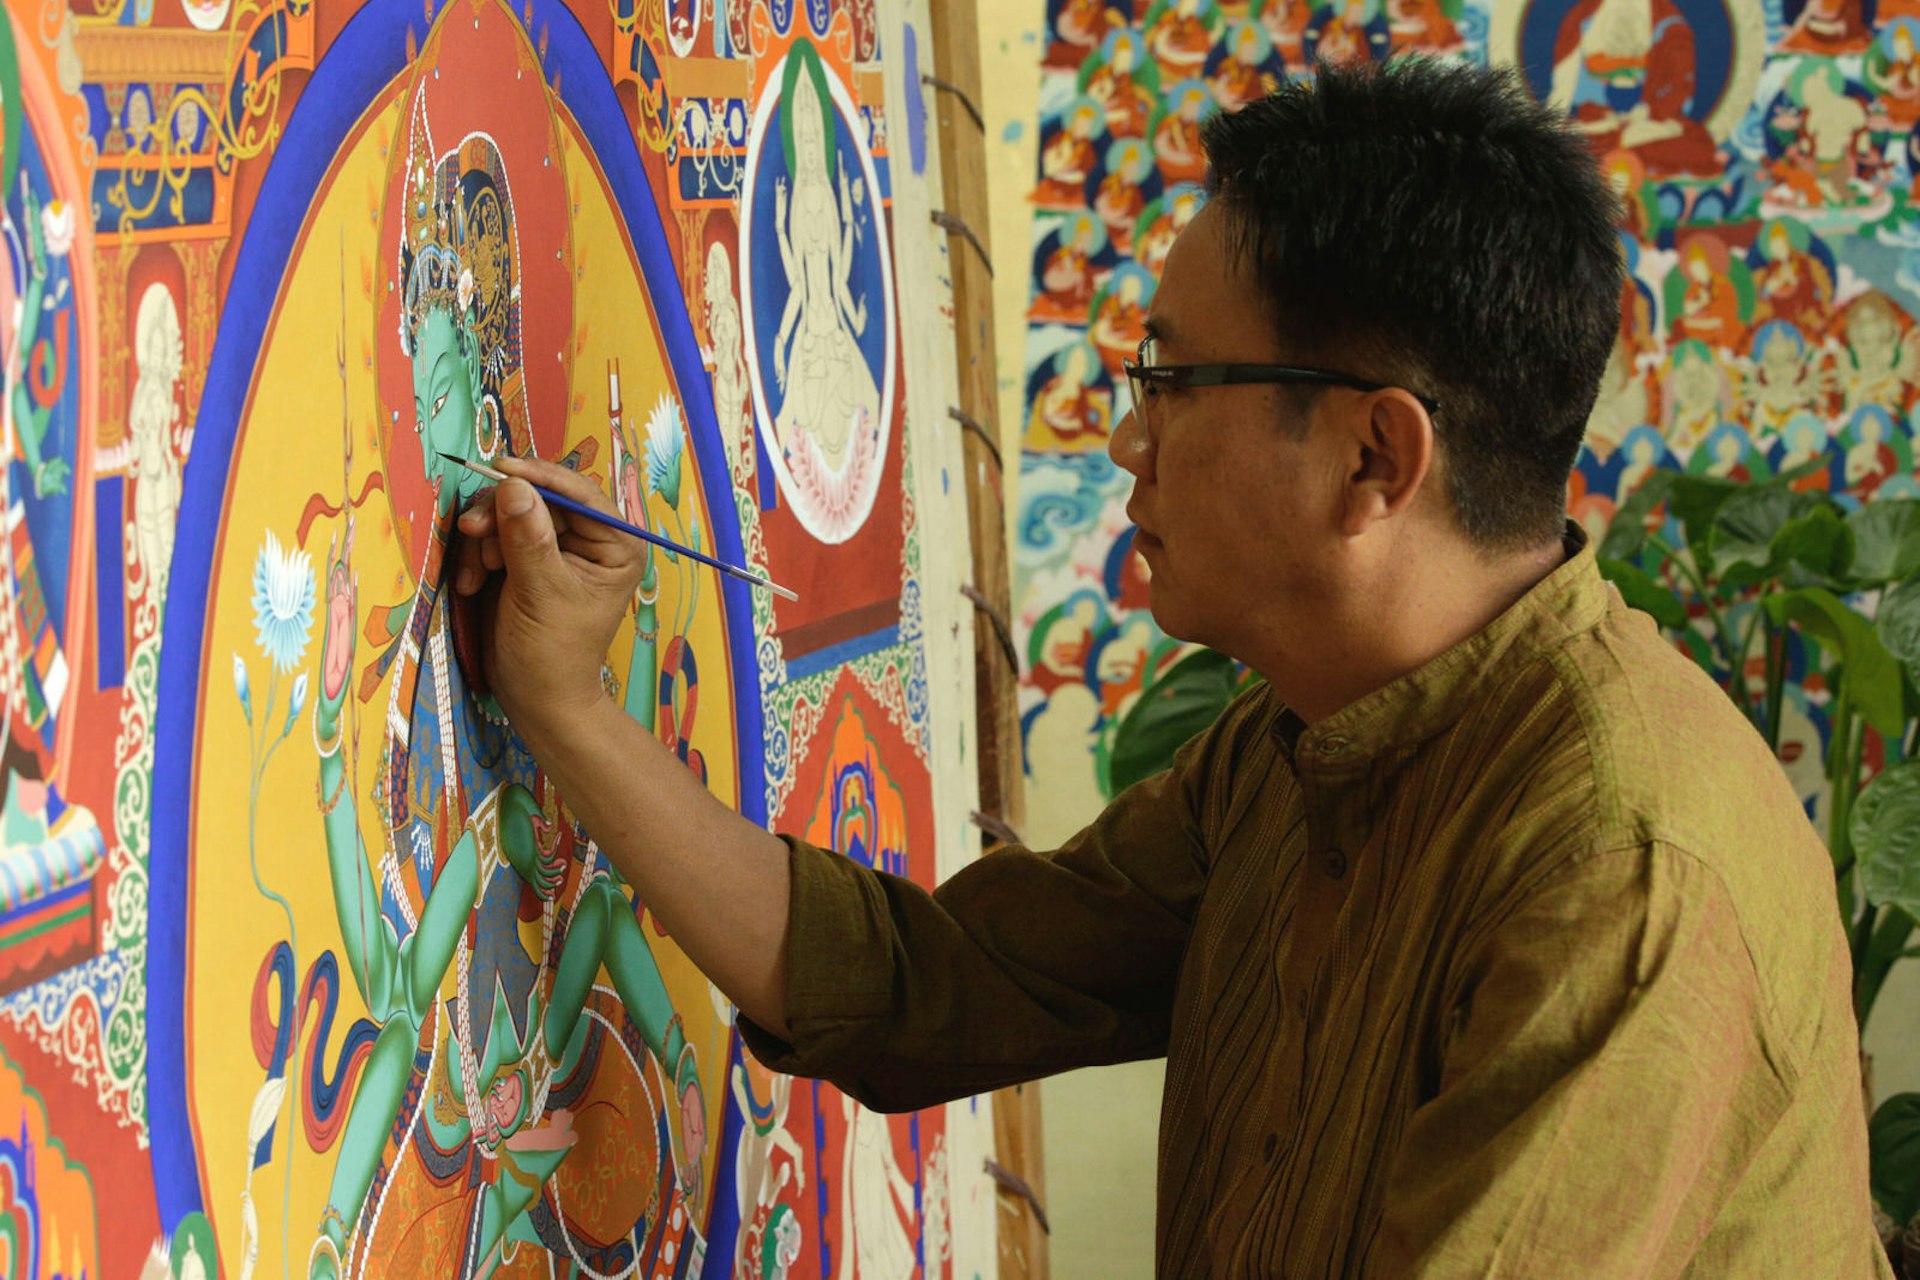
(476, 552)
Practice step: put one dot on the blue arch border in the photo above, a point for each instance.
(368, 54)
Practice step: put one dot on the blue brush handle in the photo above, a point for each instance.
(565, 503)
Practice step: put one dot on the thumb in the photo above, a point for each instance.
(527, 541)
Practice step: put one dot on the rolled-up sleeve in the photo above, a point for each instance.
(1020, 965)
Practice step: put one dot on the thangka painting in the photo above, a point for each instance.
(1768, 160)
(306, 968)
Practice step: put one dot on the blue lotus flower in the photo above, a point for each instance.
(665, 440)
(240, 687)
(283, 592)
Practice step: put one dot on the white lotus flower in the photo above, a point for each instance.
(665, 440)
(57, 225)
(283, 593)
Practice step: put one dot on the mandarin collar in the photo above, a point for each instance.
(1431, 698)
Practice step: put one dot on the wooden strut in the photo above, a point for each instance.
(1021, 1226)
(947, 86)
(958, 227)
(998, 828)
(970, 423)
(1013, 1182)
(999, 621)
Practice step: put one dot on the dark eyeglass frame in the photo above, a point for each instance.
(1141, 374)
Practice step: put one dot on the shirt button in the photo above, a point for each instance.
(1334, 864)
(1270, 1147)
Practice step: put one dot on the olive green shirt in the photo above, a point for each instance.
(1527, 964)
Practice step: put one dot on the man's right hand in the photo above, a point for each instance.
(553, 588)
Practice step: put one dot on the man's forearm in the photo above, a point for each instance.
(718, 883)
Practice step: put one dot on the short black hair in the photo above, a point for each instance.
(1430, 224)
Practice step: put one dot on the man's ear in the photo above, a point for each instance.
(1390, 454)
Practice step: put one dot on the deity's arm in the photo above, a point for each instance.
(788, 316)
(365, 934)
(426, 953)
(783, 1140)
(30, 419)
(643, 672)
(781, 238)
(844, 210)
(840, 272)
(902, 1188)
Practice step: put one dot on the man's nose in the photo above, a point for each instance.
(1129, 447)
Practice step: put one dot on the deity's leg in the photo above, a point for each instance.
(428, 950)
(376, 1101)
(604, 930)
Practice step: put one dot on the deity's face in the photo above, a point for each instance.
(1696, 384)
(1870, 332)
(157, 340)
(1780, 358)
(445, 398)
(1779, 245)
(1699, 270)
(1075, 370)
(1123, 57)
(719, 293)
(809, 135)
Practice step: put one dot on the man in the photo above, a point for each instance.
(1485, 938)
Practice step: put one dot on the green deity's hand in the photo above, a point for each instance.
(336, 650)
(50, 477)
(36, 238)
(530, 841)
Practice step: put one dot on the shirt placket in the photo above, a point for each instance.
(1304, 957)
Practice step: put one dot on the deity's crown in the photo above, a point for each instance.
(457, 241)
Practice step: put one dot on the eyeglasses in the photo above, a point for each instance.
(1147, 373)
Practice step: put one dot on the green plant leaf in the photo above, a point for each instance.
(1893, 1144)
(1886, 537)
(1696, 502)
(1885, 948)
(1186, 698)
(1644, 592)
(1884, 829)
(1874, 685)
(1897, 622)
(1763, 529)
(1627, 531)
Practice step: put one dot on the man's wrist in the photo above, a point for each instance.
(556, 727)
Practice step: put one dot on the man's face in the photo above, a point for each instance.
(1234, 493)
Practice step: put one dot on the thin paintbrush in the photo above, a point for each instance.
(614, 522)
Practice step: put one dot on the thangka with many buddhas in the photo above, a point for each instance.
(1768, 159)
